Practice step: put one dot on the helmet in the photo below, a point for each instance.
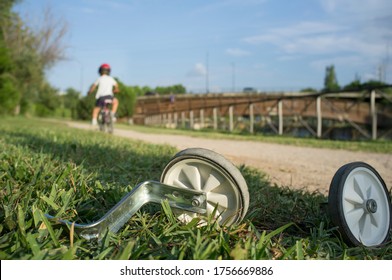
(104, 69)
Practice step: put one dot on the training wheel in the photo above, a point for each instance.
(359, 205)
(204, 170)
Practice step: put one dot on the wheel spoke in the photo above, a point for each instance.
(212, 183)
(379, 198)
(354, 216)
(180, 184)
(374, 219)
(354, 199)
(366, 227)
(218, 199)
(369, 191)
(357, 188)
(193, 175)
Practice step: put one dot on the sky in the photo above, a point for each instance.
(220, 45)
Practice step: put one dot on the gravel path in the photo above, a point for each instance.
(297, 167)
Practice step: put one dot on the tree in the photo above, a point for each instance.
(48, 100)
(308, 90)
(127, 100)
(330, 80)
(48, 39)
(175, 89)
(9, 94)
(371, 84)
(85, 107)
(71, 99)
(354, 85)
(31, 52)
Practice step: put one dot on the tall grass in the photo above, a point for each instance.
(79, 175)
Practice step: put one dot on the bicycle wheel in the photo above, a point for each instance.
(204, 170)
(101, 121)
(359, 205)
(109, 122)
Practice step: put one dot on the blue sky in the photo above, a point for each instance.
(270, 45)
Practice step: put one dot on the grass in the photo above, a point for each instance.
(79, 175)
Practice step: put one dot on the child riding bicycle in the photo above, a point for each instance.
(107, 86)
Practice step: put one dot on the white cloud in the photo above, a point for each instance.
(331, 44)
(198, 70)
(237, 52)
(321, 38)
(362, 8)
(277, 35)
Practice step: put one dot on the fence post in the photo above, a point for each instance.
(280, 114)
(215, 116)
(373, 114)
(201, 118)
(175, 119)
(319, 117)
(183, 119)
(191, 119)
(231, 122)
(251, 119)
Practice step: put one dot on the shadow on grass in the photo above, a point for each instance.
(110, 167)
(117, 166)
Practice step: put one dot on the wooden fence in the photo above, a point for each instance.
(368, 113)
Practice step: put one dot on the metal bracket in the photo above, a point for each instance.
(146, 192)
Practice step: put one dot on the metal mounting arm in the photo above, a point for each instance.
(146, 192)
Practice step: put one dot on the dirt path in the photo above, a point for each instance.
(297, 167)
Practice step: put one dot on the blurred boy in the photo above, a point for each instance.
(107, 86)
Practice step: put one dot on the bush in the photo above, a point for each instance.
(9, 95)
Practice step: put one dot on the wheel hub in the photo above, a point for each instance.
(371, 206)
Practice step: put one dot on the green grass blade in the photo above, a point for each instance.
(21, 221)
(299, 250)
(278, 231)
(33, 244)
(50, 202)
(50, 229)
(127, 251)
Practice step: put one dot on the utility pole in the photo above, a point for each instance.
(207, 75)
(387, 63)
(233, 76)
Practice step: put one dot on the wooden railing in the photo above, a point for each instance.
(368, 112)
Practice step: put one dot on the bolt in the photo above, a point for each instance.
(176, 194)
(195, 202)
(371, 206)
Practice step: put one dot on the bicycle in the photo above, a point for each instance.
(105, 118)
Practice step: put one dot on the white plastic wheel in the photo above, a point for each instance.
(204, 170)
(359, 205)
